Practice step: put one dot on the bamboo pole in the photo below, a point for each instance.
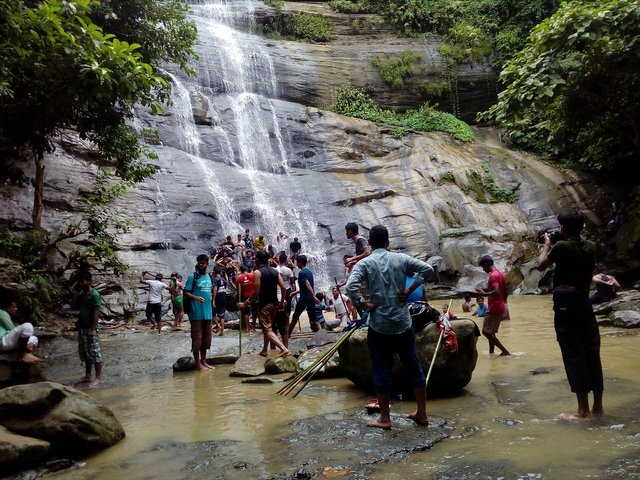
(241, 321)
(435, 352)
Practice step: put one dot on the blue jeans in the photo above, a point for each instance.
(381, 349)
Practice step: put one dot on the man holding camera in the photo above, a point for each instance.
(575, 323)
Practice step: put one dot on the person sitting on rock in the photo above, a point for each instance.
(20, 338)
(606, 286)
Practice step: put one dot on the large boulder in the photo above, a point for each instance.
(17, 451)
(72, 421)
(451, 371)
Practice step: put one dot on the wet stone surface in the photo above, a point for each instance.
(323, 446)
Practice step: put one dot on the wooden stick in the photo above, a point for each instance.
(241, 321)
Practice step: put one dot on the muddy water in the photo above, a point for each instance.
(506, 420)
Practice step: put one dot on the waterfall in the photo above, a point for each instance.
(244, 143)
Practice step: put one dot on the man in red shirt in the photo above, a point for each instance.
(497, 294)
(245, 287)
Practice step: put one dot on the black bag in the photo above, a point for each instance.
(565, 299)
(422, 314)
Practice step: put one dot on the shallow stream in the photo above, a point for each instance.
(506, 420)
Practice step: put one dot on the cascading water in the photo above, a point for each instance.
(237, 81)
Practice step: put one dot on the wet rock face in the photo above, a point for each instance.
(451, 371)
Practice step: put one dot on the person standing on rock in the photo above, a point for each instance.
(575, 323)
(266, 281)
(87, 300)
(362, 247)
(497, 294)
(389, 321)
(245, 287)
(20, 338)
(199, 289)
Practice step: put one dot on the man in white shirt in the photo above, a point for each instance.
(341, 305)
(282, 317)
(154, 303)
(281, 243)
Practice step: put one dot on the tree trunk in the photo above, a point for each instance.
(38, 194)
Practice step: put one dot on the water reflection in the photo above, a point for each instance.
(506, 419)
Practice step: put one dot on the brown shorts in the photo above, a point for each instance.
(491, 323)
(266, 316)
(200, 334)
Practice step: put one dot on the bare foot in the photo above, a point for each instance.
(423, 421)
(95, 383)
(210, 367)
(284, 353)
(30, 358)
(380, 423)
(201, 368)
(263, 354)
(574, 418)
(221, 334)
(505, 354)
(82, 381)
(598, 412)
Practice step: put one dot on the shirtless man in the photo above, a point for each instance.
(266, 281)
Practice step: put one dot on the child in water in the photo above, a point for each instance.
(481, 309)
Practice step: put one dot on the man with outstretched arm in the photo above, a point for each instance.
(574, 321)
(389, 321)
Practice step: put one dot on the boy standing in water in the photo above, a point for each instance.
(199, 289)
(497, 294)
(88, 301)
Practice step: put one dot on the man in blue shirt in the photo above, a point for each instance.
(307, 299)
(199, 289)
(389, 321)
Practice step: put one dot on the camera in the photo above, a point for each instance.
(554, 236)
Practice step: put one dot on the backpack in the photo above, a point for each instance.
(422, 314)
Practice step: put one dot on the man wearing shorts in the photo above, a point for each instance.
(497, 294)
(266, 281)
(244, 283)
(199, 288)
(88, 302)
(282, 317)
(154, 304)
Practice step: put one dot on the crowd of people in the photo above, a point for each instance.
(272, 286)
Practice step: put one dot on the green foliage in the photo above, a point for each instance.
(470, 27)
(436, 89)
(277, 4)
(24, 247)
(395, 70)
(356, 103)
(446, 177)
(573, 92)
(347, 6)
(307, 27)
(454, 234)
(497, 194)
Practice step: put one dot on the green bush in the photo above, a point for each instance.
(436, 89)
(346, 6)
(395, 70)
(307, 27)
(356, 103)
(446, 177)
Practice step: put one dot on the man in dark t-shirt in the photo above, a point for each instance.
(266, 281)
(307, 299)
(295, 247)
(575, 323)
(362, 246)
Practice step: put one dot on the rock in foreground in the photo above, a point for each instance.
(451, 371)
(72, 421)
